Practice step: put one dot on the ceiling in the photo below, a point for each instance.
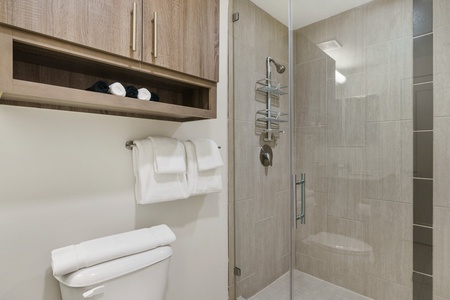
(306, 12)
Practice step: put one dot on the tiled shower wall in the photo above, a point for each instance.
(441, 150)
(261, 194)
(355, 145)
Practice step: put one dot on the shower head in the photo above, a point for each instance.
(280, 68)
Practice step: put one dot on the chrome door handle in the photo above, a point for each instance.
(133, 12)
(302, 183)
(155, 35)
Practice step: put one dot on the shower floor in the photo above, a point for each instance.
(306, 287)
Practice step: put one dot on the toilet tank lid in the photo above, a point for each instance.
(115, 268)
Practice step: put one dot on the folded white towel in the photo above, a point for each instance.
(201, 182)
(169, 155)
(117, 89)
(71, 258)
(207, 153)
(151, 187)
(144, 94)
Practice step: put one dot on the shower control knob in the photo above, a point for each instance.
(266, 156)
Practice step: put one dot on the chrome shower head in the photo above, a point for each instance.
(280, 68)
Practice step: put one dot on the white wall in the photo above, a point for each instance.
(67, 177)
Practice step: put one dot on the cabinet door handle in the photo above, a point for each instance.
(133, 42)
(155, 35)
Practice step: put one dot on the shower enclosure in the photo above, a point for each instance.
(369, 126)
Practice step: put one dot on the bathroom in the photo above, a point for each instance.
(67, 177)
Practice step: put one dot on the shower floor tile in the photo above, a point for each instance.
(306, 287)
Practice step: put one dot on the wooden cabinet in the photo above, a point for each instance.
(101, 24)
(84, 41)
(187, 36)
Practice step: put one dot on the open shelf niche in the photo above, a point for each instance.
(45, 78)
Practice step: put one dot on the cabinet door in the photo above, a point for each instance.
(187, 36)
(102, 24)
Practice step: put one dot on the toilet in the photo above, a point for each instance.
(139, 276)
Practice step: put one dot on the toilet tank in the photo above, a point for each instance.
(141, 276)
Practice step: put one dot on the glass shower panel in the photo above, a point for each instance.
(261, 150)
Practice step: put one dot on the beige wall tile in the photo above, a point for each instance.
(316, 222)
(245, 237)
(389, 232)
(310, 109)
(441, 13)
(312, 266)
(407, 162)
(345, 113)
(383, 161)
(386, 20)
(282, 219)
(441, 94)
(441, 250)
(385, 290)
(244, 94)
(245, 162)
(388, 65)
(245, 28)
(347, 28)
(441, 161)
(311, 156)
(346, 181)
(441, 51)
(265, 242)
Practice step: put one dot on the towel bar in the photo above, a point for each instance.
(131, 144)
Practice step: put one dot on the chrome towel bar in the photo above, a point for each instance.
(130, 144)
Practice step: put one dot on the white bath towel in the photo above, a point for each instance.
(117, 89)
(169, 155)
(151, 187)
(207, 153)
(144, 94)
(71, 258)
(200, 182)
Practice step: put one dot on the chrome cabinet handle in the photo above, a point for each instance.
(133, 43)
(155, 35)
(302, 183)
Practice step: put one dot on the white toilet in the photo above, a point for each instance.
(139, 276)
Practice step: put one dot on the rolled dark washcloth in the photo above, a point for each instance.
(154, 97)
(99, 87)
(132, 92)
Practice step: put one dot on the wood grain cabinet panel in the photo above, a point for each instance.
(101, 24)
(187, 36)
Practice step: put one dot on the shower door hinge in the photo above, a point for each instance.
(237, 271)
(235, 17)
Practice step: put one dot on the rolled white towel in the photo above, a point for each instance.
(117, 89)
(144, 94)
(71, 258)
